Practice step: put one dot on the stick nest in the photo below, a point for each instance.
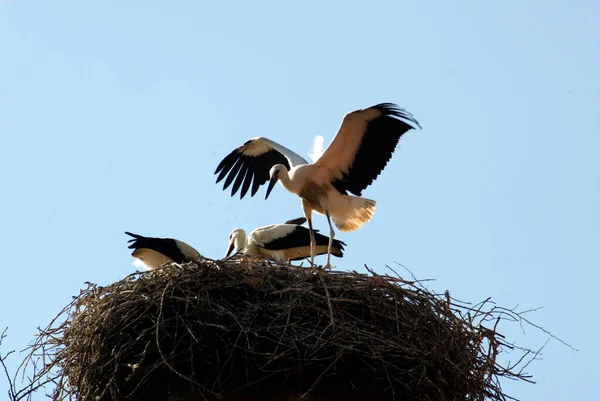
(245, 329)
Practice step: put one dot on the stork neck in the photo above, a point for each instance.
(240, 241)
(285, 180)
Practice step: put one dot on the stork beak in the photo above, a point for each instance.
(272, 183)
(230, 249)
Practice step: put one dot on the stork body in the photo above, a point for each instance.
(361, 149)
(153, 252)
(311, 182)
(281, 242)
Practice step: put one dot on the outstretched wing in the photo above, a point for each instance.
(364, 144)
(252, 161)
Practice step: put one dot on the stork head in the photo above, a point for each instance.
(237, 238)
(274, 177)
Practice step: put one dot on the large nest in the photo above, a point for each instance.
(251, 330)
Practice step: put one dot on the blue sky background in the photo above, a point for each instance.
(114, 115)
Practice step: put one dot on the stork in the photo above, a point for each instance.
(281, 242)
(360, 150)
(153, 252)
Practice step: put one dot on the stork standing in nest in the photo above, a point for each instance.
(282, 242)
(361, 149)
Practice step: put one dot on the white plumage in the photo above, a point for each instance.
(361, 149)
(281, 242)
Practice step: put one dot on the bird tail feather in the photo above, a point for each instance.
(356, 212)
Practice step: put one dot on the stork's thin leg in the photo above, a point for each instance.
(312, 243)
(307, 208)
(331, 235)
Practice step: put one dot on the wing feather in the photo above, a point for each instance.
(251, 163)
(226, 165)
(247, 180)
(177, 251)
(240, 178)
(287, 236)
(234, 171)
(364, 144)
(165, 246)
(256, 183)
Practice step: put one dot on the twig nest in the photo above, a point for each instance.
(252, 330)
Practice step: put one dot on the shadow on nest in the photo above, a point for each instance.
(246, 329)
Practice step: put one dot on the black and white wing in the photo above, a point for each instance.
(364, 144)
(287, 236)
(176, 250)
(252, 161)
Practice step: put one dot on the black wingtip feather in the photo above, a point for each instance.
(335, 244)
(247, 181)
(392, 109)
(239, 179)
(134, 241)
(226, 164)
(255, 183)
(232, 174)
(136, 236)
(338, 244)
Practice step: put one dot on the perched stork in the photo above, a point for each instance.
(281, 242)
(362, 147)
(153, 252)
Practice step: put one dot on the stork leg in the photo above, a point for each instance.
(312, 243)
(331, 235)
(306, 207)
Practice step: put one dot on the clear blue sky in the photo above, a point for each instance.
(114, 115)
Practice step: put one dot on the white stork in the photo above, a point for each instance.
(362, 147)
(153, 252)
(281, 242)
